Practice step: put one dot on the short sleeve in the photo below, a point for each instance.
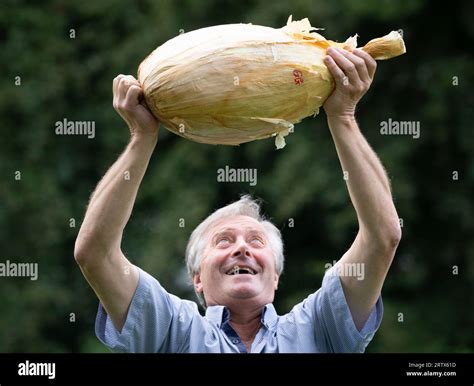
(156, 321)
(336, 318)
(332, 321)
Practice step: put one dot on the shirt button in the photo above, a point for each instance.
(235, 340)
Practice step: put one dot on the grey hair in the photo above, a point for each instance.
(246, 206)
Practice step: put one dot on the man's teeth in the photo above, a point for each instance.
(236, 270)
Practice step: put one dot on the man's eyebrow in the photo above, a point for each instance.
(254, 230)
(248, 230)
(215, 235)
(251, 231)
(226, 230)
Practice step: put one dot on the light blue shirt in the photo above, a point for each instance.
(161, 322)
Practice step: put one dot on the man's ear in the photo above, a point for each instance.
(277, 278)
(197, 282)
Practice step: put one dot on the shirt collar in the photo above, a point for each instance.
(219, 314)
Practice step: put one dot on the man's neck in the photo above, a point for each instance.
(246, 324)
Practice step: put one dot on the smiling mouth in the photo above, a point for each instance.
(238, 270)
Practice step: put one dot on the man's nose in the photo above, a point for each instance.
(241, 250)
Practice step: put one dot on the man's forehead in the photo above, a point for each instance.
(238, 222)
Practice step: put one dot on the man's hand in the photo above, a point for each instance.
(128, 97)
(353, 74)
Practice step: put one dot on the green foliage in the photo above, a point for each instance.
(70, 78)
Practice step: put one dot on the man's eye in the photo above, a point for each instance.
(223, 241)
(257, 241)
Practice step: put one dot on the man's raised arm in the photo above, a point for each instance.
(369, 188)
(97, 250)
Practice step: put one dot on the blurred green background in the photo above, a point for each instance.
(64, 77)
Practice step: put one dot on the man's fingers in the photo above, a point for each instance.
(124, 83)
(336, 72)
(359, 64)
(348, 67)
(122, 88)
(115, 84)
(126, 91)
(369, 61)
(133, 95)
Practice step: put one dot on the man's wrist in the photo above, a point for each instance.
(144, 140)
(341, 126)
(341, 117)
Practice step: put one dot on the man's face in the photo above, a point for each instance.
(238, 265)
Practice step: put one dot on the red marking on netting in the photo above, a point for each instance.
(298, 76)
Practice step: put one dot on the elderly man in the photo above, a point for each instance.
(235, 257)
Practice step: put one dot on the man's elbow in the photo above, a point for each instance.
(94, 247)
(396, 234)
(85, 249)
(385, 238)
(81, 252)
(389, 237)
